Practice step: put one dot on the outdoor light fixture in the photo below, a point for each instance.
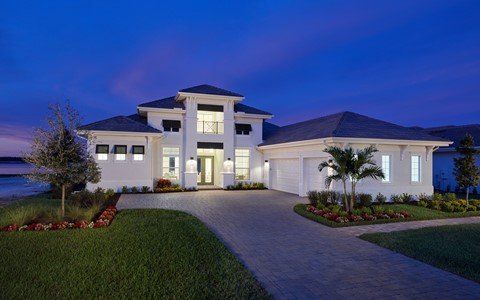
(266, 160)
(191, 157)
(228, 166)
(228, 158)
(191, 166)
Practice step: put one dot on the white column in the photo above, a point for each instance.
(228, 178)
(190, 143)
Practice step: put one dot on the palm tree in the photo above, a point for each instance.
(363, 166)
(348, 164)
(340, 163)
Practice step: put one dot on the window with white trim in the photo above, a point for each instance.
(386, 167)
(171, 163)
(415, 168)
(138, 152)
(242, 164)
(102, 152)
(120, 152)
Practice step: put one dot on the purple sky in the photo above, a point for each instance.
(408, 62)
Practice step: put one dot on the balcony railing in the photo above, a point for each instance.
(210, 127)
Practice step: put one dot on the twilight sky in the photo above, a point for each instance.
(408, 62)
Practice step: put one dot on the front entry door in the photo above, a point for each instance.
(205, 170)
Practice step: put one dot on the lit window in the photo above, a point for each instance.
(386, 168)
(242, 164)
(415, 168)
(138, 152)
(171, 163)
(120, 152)
(102, 152)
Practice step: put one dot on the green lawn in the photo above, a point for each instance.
(453, 248)
(416, 212)
(143, 254)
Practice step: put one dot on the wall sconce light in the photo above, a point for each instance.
(266, 160)
(228, 166)
(191, 157)
(228, 158)
(191, 166)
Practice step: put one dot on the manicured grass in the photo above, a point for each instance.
(416, 212)
(452, 248)
(143, 254)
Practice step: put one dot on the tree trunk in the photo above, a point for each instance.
(352, 198)
(345, 200)
(63, 201)
(468, 191)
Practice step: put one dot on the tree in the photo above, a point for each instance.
(340, 165)
(58, 155)
(466, 172)
(363, 166)
(351, 165)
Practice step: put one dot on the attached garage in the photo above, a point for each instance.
(284, 175)
(314, 180)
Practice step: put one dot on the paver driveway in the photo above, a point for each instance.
(297, 258)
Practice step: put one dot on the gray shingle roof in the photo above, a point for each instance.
(456, 133)
(269, 129)
(210, 90)
(170, 103)
(133, 123)
(345, 124)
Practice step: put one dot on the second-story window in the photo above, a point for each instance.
(171, 125)
(138, 153)
(120, 152)
(243, 129)
(102, 152)
(210, 119)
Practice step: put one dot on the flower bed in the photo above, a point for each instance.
(339, 216)
(104, 220)
(246, 186)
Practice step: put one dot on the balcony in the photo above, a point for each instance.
(210, 127)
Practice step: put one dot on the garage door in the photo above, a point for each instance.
(314, 180)
(284, 175)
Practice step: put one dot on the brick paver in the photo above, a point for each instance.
(294, 257)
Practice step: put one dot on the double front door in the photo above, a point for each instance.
(205, 170)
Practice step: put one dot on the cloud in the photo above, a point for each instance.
(14, 139)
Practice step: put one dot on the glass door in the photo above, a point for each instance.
(205, 170)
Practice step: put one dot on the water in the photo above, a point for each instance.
(13, 186)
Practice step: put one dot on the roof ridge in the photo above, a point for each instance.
(340, 120)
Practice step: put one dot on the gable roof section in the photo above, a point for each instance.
(171, 103)
(209, 90)
(133, 123)
(456, 133)
(346, 124)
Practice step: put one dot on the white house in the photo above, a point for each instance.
(443, 177)
(205, 135)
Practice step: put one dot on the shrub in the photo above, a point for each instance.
(125, 190)
(422, 203)
(75, 213)
(378, 209)
(471, 208)
(434, 204)
(357, 212)
(134, 189)
(335, 208)
(20, 215)
(109, 193)
(320, 206)
(163, 183)
(324, 197)
(380, 198)
(85, 198)
(145, 189)
(342, 214)
(406, 198)
(424, 197)
(446, 206)
(366, 211)
(365, 200)
(396, 198)
(449, 197)
(459, 208)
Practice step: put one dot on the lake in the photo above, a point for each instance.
(14, 186)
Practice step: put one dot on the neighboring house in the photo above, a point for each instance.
(443, 177)
(205, 135)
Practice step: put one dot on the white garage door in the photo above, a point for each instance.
(314, 180)
(284, 175)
